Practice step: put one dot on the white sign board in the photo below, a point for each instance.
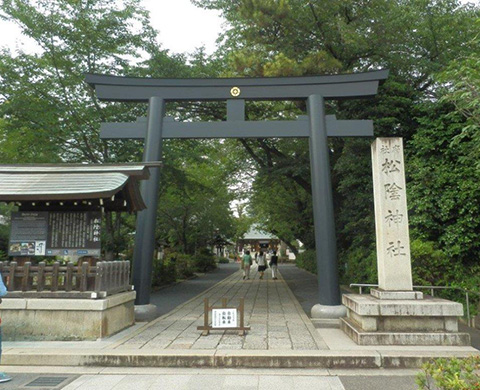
(224, 318)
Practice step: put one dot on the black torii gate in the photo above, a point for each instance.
(316, 126)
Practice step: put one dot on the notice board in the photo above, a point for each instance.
(55, 233)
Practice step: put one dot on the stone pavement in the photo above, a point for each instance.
(276, 319)
(169, 297)
(281, 336)
(99, 378)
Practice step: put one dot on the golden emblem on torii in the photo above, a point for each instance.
(235, 91)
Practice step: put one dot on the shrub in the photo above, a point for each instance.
(450, 374)
(183, 265)
(307, 261)
(163, 272)
(358, 265)
(204, 261)
(172, 267)
(223, 260)
(430, 266)
(3, 256)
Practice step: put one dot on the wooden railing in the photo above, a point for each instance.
(66, 281)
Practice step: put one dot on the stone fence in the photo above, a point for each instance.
(66, 281)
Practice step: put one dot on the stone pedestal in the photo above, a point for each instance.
(51, 319)
(411, 321)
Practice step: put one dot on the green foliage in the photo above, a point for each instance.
(4, 238)
(182, 263)
(223, 260)
(174, 266)
(450, 374)
(195, 200)
(204, 261)
(358, 265)
(49, 114)
(163, 272)
(414, 39)
(444, 196)
(461, 80)
(430, 266)
(307, 261)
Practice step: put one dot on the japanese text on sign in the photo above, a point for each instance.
(224, 318)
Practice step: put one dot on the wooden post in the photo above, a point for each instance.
(41, 276)
(55, 268)
(205, 317)
(83, 277)
(11, 276)
(125, 275)
(99, 277)
(69, 277)
(26, 276)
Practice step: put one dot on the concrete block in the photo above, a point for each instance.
(326, 322)
(13, 304)
(68, 319)
(367, 305)
(403, 338)
(395, 295)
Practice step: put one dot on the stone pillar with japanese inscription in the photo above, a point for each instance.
(394, 314)
(391, 219)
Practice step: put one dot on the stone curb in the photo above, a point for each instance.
(227, 359)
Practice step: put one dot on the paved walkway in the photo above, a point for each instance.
(98, 378)
(169, 297)
(281, 336)
(277, 320)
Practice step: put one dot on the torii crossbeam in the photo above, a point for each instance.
(316, 126)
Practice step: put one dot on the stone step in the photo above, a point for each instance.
(361, 337)
(229, 358)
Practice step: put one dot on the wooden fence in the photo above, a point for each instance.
(66, 281)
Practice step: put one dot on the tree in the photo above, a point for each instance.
(444, 195)
(49, 114)
(413, 38)
(461, 81)
(194, 198)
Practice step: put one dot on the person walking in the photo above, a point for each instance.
(262, 264)
(274, 265)
(3, 291)
(247, 262)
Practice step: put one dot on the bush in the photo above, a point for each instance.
(307, 261)
(172, 267)
(450, 374)
(223, 260)
(163, 272)
(204, 261)
(183, 264)
(358, 265)
(430, 266)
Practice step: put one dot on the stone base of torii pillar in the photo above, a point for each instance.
(394, 314)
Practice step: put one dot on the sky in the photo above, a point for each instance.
(182, 27)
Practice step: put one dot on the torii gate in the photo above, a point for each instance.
(316, 126)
